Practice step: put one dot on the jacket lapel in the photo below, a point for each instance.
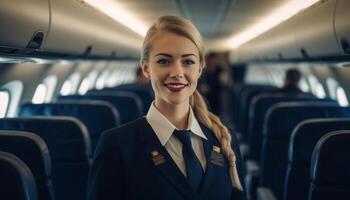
(164, 163)
(209, 176)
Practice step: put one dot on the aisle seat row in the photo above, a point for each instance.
(70, 127)
(279, 132)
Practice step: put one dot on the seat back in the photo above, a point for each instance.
(302, 143)
(258, 109)
(281, 119)
(330, 167)
(129, 105)
(16, 179)
(69, 145)
(97, 116)
(32, 150)
(145, 93)
(246, 94)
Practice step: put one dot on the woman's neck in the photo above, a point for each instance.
(176, 114)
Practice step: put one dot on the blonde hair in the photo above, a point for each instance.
(184, 27)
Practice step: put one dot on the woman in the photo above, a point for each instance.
(179, 150)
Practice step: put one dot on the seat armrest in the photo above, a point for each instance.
(252, 167)
(244, 148)
(265, 194)
(252, 179)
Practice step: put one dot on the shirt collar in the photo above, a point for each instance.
(164, 128)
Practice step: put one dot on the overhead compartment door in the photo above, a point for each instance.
(21, 21)
(315, 31)
(342, 25)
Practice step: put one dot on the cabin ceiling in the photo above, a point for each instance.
(215, 19)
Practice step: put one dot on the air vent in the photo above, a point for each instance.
(87, 51)
(304, 53)
(345, 45)
(36, 40)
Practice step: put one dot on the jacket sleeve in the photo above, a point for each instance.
(105, 178)
(236, 194)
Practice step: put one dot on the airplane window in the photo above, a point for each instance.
(341, 96)
(40, 93)
(70, 86)
(88, 83)
(332, 86)
(66, 88)
(50, 82)
(84, 86)
(15, 89)
(101, 80)
(4, 103)
(303, 85)
(316, 87)
(320, 93)
(112, 80)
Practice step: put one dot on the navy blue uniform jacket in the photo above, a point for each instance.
(123, 169)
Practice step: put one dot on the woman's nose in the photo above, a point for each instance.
(177, 70)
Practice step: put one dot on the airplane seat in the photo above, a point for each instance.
(246, 94)
(129, 105)
(303, 140)
(16, 179)
(145, 94)
(258, 109)
(32, 150)
(97, 116)
(280, 121)
(70, 150)
(330, 167)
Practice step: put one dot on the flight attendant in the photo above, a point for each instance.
(179, 150)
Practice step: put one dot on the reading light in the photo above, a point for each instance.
(116, 12)
(281, 14)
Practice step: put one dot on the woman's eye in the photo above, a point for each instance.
(163, 61)
(189, 62)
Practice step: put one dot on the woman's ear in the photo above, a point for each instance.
(200, 70)
(145, 69)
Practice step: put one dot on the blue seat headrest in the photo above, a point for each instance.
(31, 149)
(307, 133)
(331, 160)
(17, 181)
(66, 137)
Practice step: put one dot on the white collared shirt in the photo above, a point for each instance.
(164, 130)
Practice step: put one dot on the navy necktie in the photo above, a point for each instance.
(194, 169)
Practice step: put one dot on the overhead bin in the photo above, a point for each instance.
(342, 25)
(112, 38)
(23, 24)
(79, 29)
(308, 35)
(282, 44)
(314, 31)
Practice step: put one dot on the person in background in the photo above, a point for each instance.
(291, 82)
(179, 150)
(210, 84)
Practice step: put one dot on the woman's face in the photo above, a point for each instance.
(173, 68)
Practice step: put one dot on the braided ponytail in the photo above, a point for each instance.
(220, 131)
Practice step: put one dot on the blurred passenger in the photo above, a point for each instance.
(214, 80)
(291, 82)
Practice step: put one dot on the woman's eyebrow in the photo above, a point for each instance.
(163, 54)
(190, 54)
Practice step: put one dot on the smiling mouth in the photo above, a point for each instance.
(175, 87)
